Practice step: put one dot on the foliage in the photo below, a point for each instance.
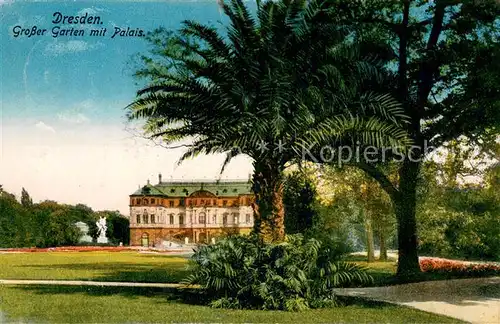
(332, 226)
(458, 221)
(50, 224)
(458, 268)
(26, 200)
(445, 57)
(242, 272)
(299, 198)
(16, 226)
(359, 204)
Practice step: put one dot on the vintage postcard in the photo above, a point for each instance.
(249, 161)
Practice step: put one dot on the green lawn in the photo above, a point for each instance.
(56, 304)
(99, 266)
(136, 267)
(63, 304)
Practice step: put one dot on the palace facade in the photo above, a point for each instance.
(194, 212)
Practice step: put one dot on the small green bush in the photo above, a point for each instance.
(242, 272)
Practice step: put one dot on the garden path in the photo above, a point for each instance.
(475, 300)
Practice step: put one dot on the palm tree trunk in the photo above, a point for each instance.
(269, 210)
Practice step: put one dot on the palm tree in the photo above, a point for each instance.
(275, 83)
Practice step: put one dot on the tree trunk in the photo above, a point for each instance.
(269, 210)
(383, 246)
(405, 208)
(370, 248)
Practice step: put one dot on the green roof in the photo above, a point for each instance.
(221, 188)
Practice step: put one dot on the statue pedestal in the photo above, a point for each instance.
(102, 239)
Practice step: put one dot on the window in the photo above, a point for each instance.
(202, 218)
(138, 219)
(145, 219)
(182, 202)
(152, 200)
(236, 218)
(247, 218)
(235, 190)
(171, 203)
(224, 190)
(224, 219)
(224, 203)
(171, 219)
(138, 201)
(215, 202)
(214, 219)
(202, 202)
(153, 219)
(172, 190)
(145, 201)
(181, 219)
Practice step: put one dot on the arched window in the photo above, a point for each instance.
(138, 201)
(171, 219)
(202, 218)
(138, 219)
(146, 201)
(153, 219)
(145, 218)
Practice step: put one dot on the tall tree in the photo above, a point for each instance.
(366, 199)
(26, 200)
(447, 76)
(275, 82)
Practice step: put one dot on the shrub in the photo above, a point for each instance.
(242, 272)
(458, 268)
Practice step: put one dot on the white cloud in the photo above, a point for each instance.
(72, 46)
(44, 127)
(73, 118)
(91, 11)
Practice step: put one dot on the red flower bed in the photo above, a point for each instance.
(69, 248)
(459, 268)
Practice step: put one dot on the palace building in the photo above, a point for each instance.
(194, 212)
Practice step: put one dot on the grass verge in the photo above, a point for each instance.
(99, 266)
(58, 304)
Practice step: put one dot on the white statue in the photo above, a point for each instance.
(101, 226)
(101, 230)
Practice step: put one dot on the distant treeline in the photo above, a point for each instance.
(49, 224)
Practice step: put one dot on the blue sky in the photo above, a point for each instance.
(45, 76)
(64, 135)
